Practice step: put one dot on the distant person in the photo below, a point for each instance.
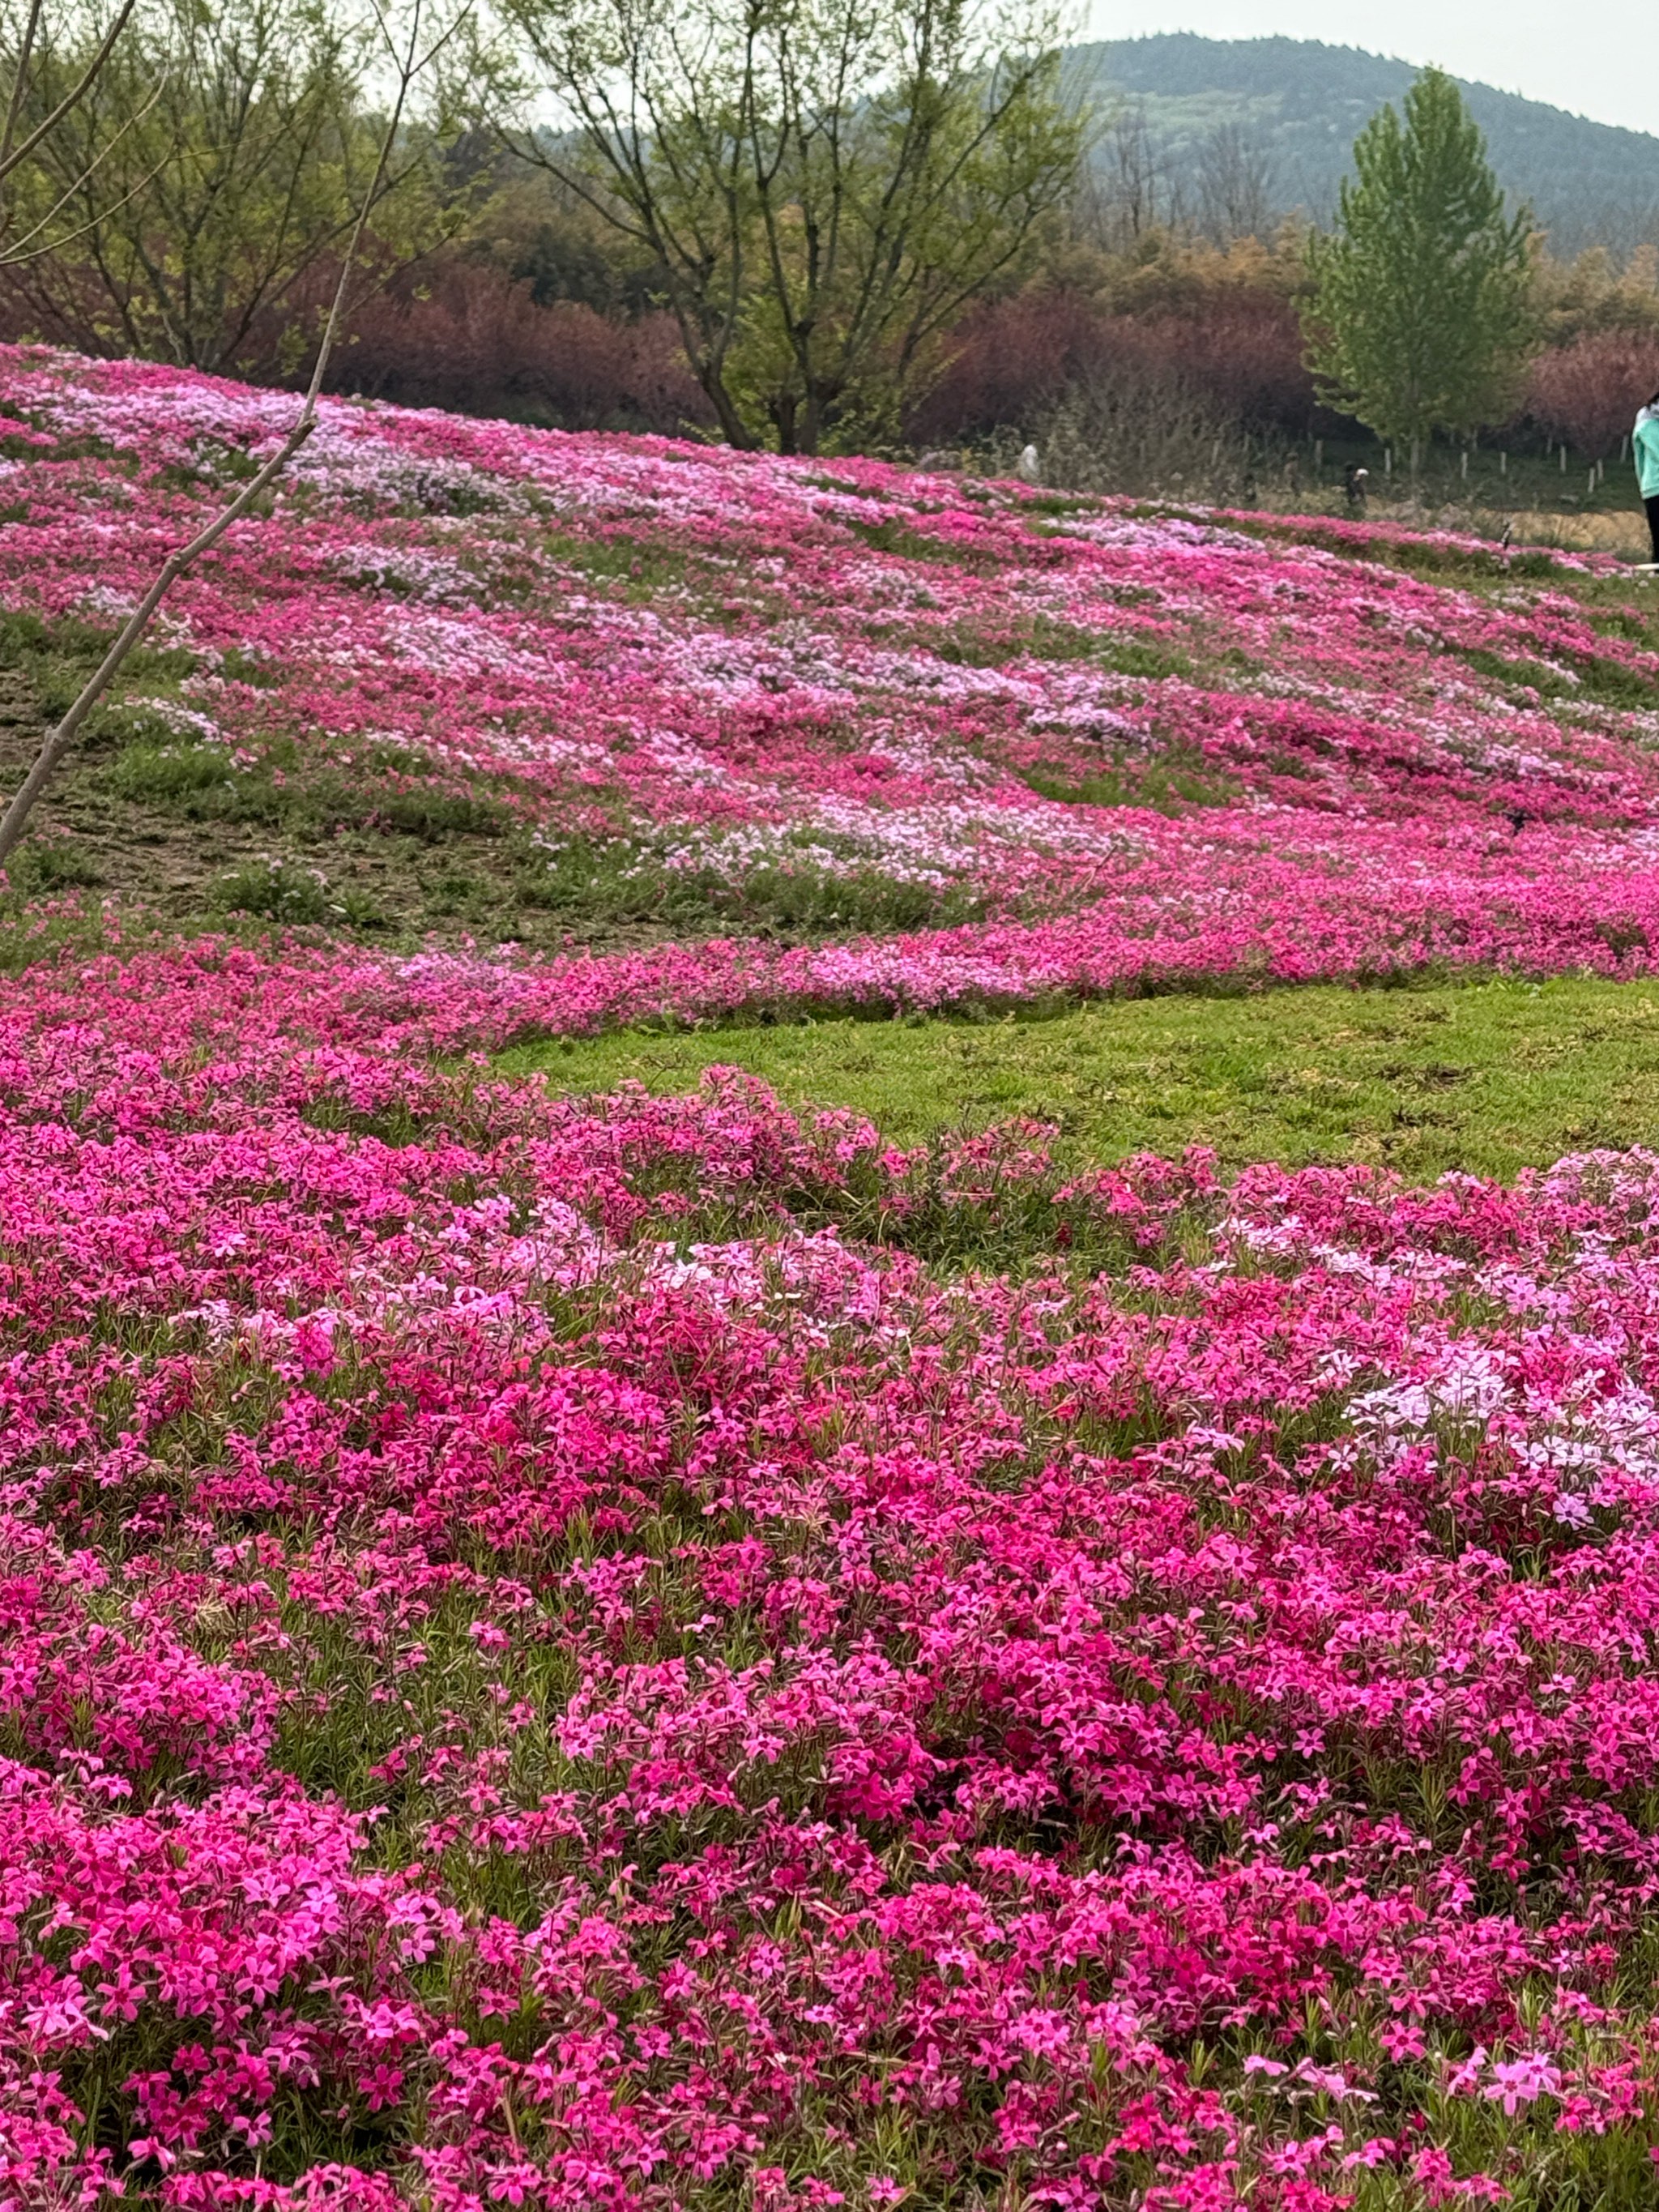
(1644, 452)
(1354, 484)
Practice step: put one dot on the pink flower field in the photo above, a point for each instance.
(668, 1653)
(676, 661)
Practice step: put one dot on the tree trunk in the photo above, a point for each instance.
(732, 428)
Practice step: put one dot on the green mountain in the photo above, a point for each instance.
(1275, 119)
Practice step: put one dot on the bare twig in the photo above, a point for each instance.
(20, 82)
(15, 251)
(11, 155)
(25, 63)
(410, 62)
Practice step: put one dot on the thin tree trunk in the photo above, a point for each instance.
(58, 740)
(732, 428)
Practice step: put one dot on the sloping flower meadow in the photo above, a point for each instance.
(955, 697)
(657, 1653)
(666, 1653)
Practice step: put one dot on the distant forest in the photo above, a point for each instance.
(1261, 128)
(1141, 316)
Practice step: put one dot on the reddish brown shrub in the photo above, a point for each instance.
(466, 337)
(1012, 360)
(1587, 393)
(1008, 361)
(457, 333)
(1246, 353)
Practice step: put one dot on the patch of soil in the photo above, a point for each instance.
(180, 867)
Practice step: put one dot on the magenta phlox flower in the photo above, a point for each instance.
(599, 1654)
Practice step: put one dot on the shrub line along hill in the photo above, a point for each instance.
(701, 1648)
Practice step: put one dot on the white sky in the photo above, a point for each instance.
(1598, 57)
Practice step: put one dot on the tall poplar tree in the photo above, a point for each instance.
(1419, 317)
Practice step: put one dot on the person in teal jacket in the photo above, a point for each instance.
(1644, 452)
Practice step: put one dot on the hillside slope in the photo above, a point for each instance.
(637, 1654)
(1305, 101)
(686, 693)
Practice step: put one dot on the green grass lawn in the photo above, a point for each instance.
(1486, 1076)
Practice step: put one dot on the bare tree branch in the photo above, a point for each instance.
(13, 251)
(410, 61)
(26, 79)
(20, 82)
(11, 155)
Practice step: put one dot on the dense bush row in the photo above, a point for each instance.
(470, 336)
(543, 331)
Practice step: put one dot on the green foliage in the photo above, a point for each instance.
(619, 880)
(1418, 556)
(218, 157)
(1170, 783)
(823, 185)
(168, 771)
(51, 865)
(1593, 676)
(274, 890)
(893, 535)
(277, 893)
(54, 659)
(200, 782)
(1418, 314)
(976, 645)
(1487, 1077)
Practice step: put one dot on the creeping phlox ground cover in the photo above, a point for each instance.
(659, 1652)
(671, 1653)
(1105, 747)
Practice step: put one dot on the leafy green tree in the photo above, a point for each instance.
(206, 183)
(823, 184)
(1420, 314)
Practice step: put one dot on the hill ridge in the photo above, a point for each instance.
(1301, 102)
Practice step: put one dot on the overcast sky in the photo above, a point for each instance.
(1599, 58)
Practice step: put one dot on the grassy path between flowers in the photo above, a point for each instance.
(1488, 1077)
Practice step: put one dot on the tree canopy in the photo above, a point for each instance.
(823, 184)
(1419, 311)
(218, 161)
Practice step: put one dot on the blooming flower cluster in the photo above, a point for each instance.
(660, 1653)
(666, 1654)
(705, 661)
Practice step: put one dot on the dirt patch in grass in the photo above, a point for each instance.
(182, 828)
(165, 828)
(183, 836)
